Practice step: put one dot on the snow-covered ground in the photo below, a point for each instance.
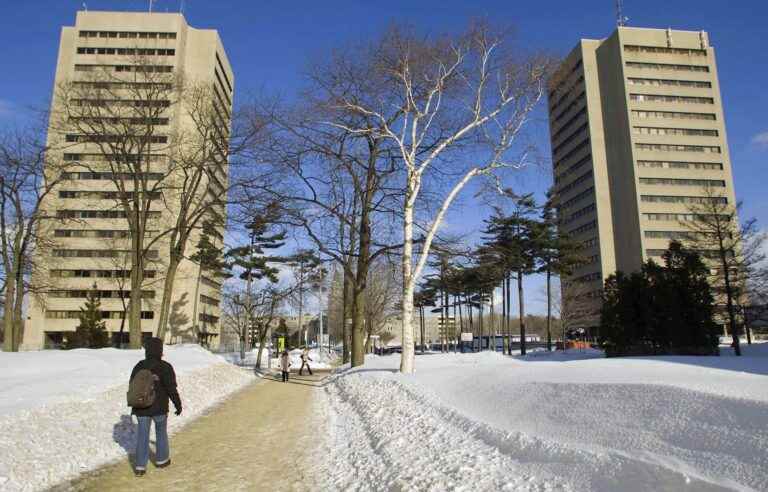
(64, 412)
(572, 421)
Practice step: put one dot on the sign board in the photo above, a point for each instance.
(280, 344)
(466, 337)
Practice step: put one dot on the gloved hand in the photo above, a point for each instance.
(178, 411)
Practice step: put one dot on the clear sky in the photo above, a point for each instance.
(269, 43)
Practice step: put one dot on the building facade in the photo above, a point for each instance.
(638, 135)
(110, 64)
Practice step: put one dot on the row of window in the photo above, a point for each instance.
(682, 199)
(577, 134)
(568, 123)
(580, 213)
(99, 253)
(95, 84)
(577, 64)
(100, 214)
(223, 72)
(131, 103)
(210, 283)
(127, 35)
(633, 48)
(104, 314)
(111, 176)
(71, 138)
(97, 273)
(574, 151)
(578, 100)
(702, 252)
(673, 115)
(589, 260)
(708, 149)
(668, 98)
(668, 82)
(589, 243)
(691, 132)
(572, 169)
(678, 217)
(677, 235)
(683, 182)
(123, 120)
(207, 318)
(710, 166)
(98, 233)
(590, 277)
(583, 228)
(576, 182)
(126, 51)
(668, 66)
(104, 195)
(577, 198)
(102, 294)
(80, 67)
(564, 94)
(133, 158)
(208, 300)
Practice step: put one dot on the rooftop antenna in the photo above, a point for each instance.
(150, 6)
(621, 20)
(85, 7)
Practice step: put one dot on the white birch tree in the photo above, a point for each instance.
(453, 105)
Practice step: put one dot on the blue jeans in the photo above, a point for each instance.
(161, 441)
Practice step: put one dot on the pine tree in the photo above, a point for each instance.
(91, 332)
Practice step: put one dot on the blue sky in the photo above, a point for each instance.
(269, 44)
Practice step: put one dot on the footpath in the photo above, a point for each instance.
(259, 439)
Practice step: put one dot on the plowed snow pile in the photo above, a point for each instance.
(64, 412)
(549, 422)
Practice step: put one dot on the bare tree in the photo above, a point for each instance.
(573, 304)
(465, 94)
(29, 171)
(732, 250)
(381, 298)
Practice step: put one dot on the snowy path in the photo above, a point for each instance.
(257, 440)
(486, 422)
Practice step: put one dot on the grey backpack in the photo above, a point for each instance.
(141, 389)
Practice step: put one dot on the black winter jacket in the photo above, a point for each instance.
(165, 386)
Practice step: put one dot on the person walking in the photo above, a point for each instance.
(152, 384)
(305, 361)
(285, 364)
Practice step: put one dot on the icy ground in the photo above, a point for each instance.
(64, 412)
(549, 422)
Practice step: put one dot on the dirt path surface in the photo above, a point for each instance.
(253, 441)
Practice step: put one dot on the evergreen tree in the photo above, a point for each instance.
(91, 332)
(661, 309)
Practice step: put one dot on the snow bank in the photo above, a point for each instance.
(572, 421)
(64, 412)
(250, 357)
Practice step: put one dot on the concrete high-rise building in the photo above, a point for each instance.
(638, 135)
(115, 56)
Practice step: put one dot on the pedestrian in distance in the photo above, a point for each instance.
(285, 365)
(305, 361)
(152, 384)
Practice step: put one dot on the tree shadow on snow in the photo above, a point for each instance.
(747, 364)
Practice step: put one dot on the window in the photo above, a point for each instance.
(575, 167)
(683, 182)
(110, 176)
(669, 82)
(208, 318)
(97, 253)
(208, 300)
(682, 199)
(692, 132)
(583, 228)
(580, 213)
(574, 151)
(667, 216)
(666, 98)
(673, 115)
(632, 48)
(576, 182)
(668, 66)
(100, 214)
(710, 166)
(709, 149)
(577, 198)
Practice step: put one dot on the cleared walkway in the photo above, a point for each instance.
(257, 440)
